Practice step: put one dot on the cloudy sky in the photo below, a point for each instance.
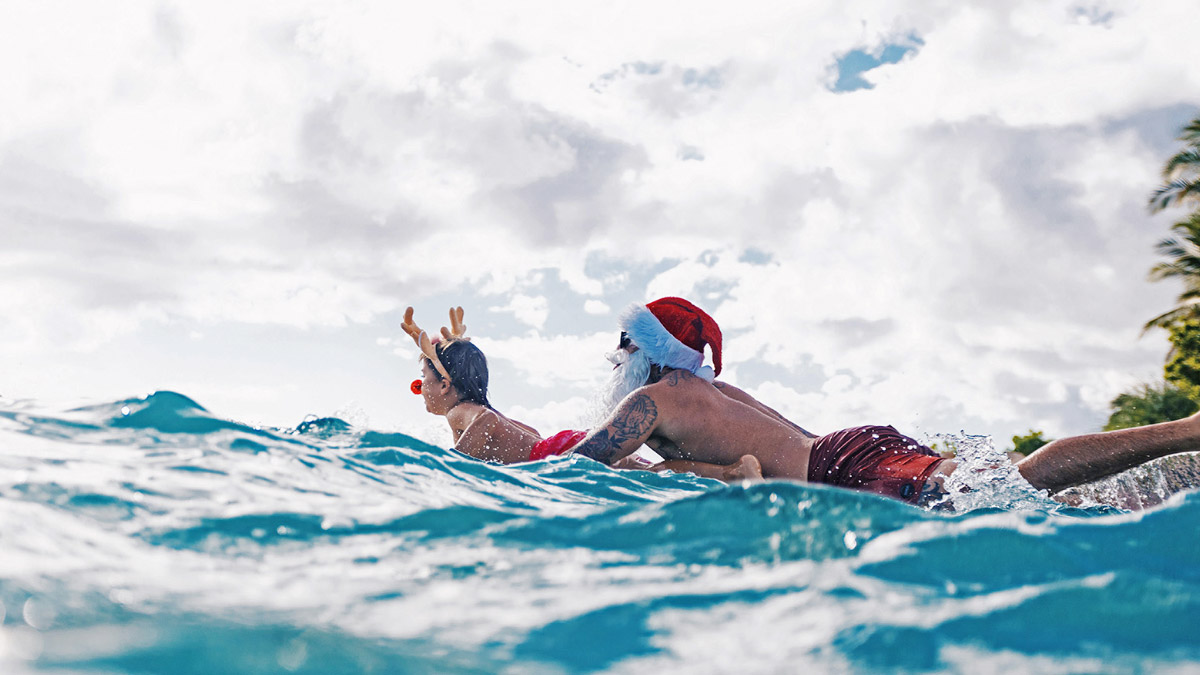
(924, 213)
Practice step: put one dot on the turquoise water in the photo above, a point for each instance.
(148, 536)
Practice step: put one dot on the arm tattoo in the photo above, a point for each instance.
(636, 417)
(599, 447)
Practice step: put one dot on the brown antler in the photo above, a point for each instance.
(423, 342)
(413, 330)
(457, 329)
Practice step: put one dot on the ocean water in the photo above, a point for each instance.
(148, 536)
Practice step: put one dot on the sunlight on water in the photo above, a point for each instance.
(147, 536)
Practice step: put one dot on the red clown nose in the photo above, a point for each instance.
(415, 387)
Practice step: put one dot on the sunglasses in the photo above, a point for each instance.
(625, 341)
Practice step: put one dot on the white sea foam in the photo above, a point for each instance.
(986, 477)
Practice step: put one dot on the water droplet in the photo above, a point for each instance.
(38, 614)
(125, 410)
(851, 540)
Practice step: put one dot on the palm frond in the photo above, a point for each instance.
(1169, 248)
(1173, 193)
(1189, 248)
(1181, 254)
(1164, 320)
(1189, 228)
(1191, 132)
(1163, 271)
(1184, 161)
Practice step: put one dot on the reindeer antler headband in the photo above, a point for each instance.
(457, 329)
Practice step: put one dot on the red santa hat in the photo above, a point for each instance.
(673, 332)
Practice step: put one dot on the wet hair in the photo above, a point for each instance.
(467, 367)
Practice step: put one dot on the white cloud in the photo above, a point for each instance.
(570, 413)
(561, 362)
(958, 243)
(529, 310)
(593, 306)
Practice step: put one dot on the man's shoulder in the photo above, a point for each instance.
(676, 385)
(678, 378)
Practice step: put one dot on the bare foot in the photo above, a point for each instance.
(746, 468)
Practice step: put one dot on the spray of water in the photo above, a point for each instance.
(985, 477)
(1141, 487)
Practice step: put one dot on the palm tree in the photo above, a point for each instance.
(1149, 404)
(1182, 187)
(1183, 253)
(1181, 173)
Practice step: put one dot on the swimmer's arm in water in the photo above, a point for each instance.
(742, 397)
(628, 428)
(489, 438)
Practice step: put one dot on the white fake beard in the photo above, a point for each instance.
(632, 371)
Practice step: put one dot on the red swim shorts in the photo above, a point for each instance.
(873, 459)
(556, 444)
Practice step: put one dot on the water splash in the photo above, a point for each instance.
(985, 477)
(1141, 487)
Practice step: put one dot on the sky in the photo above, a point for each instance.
(925, 213)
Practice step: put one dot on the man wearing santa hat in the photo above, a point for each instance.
(663, 396)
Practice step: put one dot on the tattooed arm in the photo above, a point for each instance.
(632, 423)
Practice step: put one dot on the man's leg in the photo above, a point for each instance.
(746, 468)
(1082, 459)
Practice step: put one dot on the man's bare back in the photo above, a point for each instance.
(682, 416)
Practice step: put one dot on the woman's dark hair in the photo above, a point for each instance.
(467, 367)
